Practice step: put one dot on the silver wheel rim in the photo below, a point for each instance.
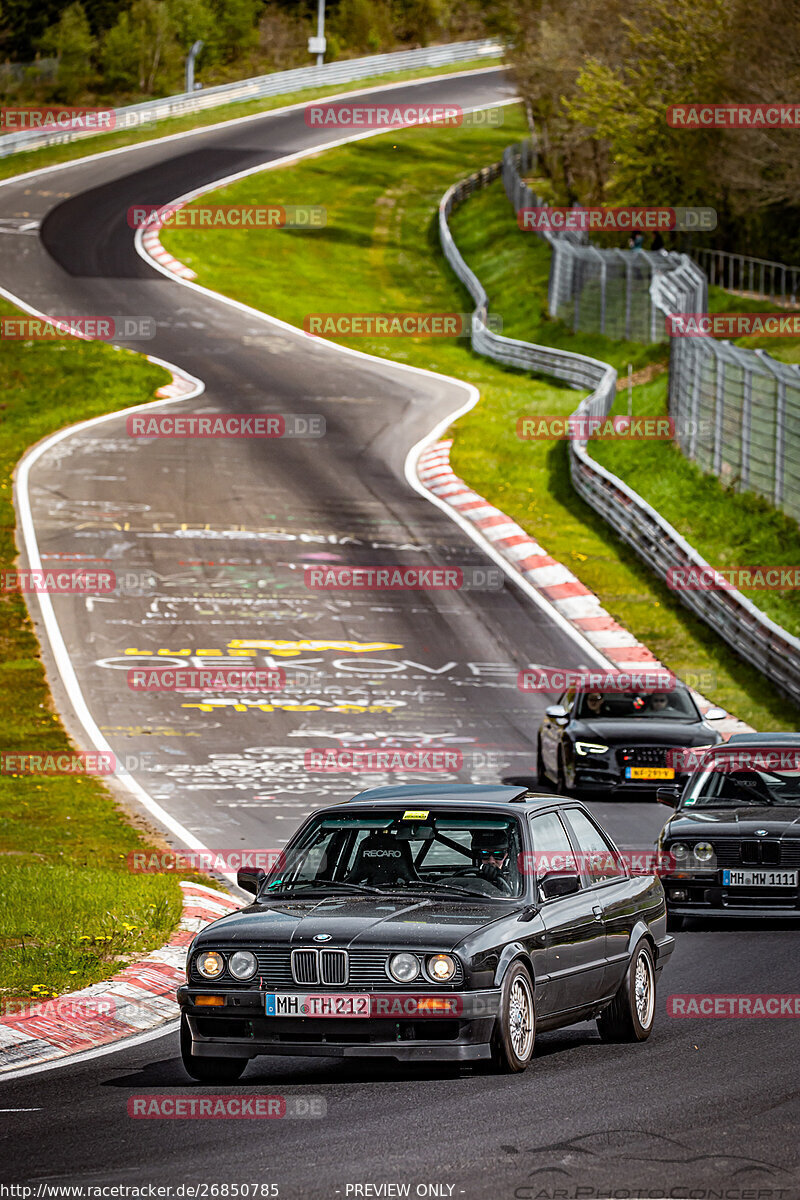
(643, 990)
(520, 1018)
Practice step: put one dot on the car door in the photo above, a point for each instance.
(572, 944)
(551, 735)
(611, 890)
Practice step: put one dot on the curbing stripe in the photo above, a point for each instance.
(139, 998)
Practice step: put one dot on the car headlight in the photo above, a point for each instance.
(210, 964)
(583, 748)
(404, 967)
(679, 852)
(441, 967)
(243, 964)
(704, 851)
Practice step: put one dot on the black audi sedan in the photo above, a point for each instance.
(619, 743)
(732, 846)
(446, 922)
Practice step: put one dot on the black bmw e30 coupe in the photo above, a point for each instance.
(732, 846)
(447, 922)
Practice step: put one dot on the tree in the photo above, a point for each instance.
(548, 43)
(361, 27)
(673, 53)
(70, 40)
(141, 51)
(193, 19)
(237, 26)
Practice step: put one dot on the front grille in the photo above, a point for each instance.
(642, 756)
(365, 970)
(333, 967)
(305, 966)
(755, 853)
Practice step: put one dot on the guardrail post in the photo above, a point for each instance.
(628, 279)
(780, 436)
(603, 280)
(747, 396)
(719, 406)
(694, 405)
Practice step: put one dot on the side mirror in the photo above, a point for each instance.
(669, 796)
(250, 881)
(556, 712)
(715, 714)
(553, 886)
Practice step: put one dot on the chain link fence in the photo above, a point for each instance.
(756, 638)
(736, 411)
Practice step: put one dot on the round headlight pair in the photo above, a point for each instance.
(242, 964)
(702, 851)
(405, 967)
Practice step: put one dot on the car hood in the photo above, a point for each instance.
(645, 730)
(356, 920)
(739, 822)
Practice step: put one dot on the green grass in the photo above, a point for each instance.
(379, 253)
(31, 160)
(72, 913)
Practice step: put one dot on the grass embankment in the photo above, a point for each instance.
(380, 253)
(31, 160)
(72, 914)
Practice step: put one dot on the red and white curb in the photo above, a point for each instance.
(554, 582)
(139, 998)
(179, 385)
(152, 244)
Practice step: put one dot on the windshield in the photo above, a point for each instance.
(662, 706)
(409, 851)
(738, 777)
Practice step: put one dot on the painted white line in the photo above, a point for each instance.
(259, 116)
(58, 647)
(414, 453)
(71, 1060)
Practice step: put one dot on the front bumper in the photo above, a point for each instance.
(707, 897)
(610, 782)
(241, 1029)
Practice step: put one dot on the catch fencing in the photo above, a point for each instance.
(736, 411)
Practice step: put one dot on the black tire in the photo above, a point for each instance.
(674, 922)
(631, 1014)
(208, 1070)
(514, 1036)
(541, 773)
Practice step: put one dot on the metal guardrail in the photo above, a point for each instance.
(758, 277)
(757, 639)
(575, 369)
(278, 83)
